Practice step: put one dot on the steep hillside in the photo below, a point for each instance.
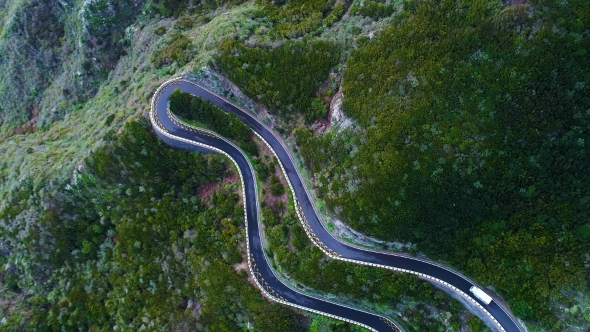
(55, 54)
(473, 123)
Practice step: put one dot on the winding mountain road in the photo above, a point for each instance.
(180, 135)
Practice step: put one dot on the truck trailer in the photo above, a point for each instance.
(485, 298)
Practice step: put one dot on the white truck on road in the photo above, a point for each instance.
(481, 295)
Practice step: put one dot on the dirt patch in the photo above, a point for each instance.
(26, 128)
(205, 191)
(270, 199)
(29, 126)
(133, 102)
(197, 308)
(337, 118)
(241, 266)
(321, 126)
(232, 178)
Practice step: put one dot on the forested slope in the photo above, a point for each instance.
(284, 78)
(475, 123)
(102, 226)
(130, 244)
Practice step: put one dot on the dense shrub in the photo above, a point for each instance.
(373, 9)
(276, 187)
(176, 49)
(285, 78)
(170, 7)
(297, 18)
(227, 125)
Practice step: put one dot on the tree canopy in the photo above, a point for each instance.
(284, 78)
(474, 120)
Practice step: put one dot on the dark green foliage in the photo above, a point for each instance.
(263, 170)
(184, 22)
(269, 217)
(176, 49)
(275, 317)
(276, 236)
(373, 9)
(130, 240)
(299, 239)
(105, 22)
(298, 18)
(335, 15)
(160, 30)
(285, 78)
(475, 123)
(170, 7)
(328, 156)
(101, 17)
(276, 187)
(109, 120)
(475, 324)
(343, 327)
(225, 124)
(318, 110)
(175, 8)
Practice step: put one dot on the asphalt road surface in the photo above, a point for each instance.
(335, 248)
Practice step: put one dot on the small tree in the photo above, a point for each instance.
(317, 111)
(276, 187)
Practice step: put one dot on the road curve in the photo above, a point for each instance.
(177, 134)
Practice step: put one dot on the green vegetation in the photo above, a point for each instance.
(227, 125)
(34, 32)
(176, 50)
(160, 31)
(474, 119)
(297, 18)
(68, 47)
(169, 7)
(52, 148)
(321, 323)
(75, 276)
(422, 306)
(373, 9)
(129, 243)
(276, 187)
(284, 78)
